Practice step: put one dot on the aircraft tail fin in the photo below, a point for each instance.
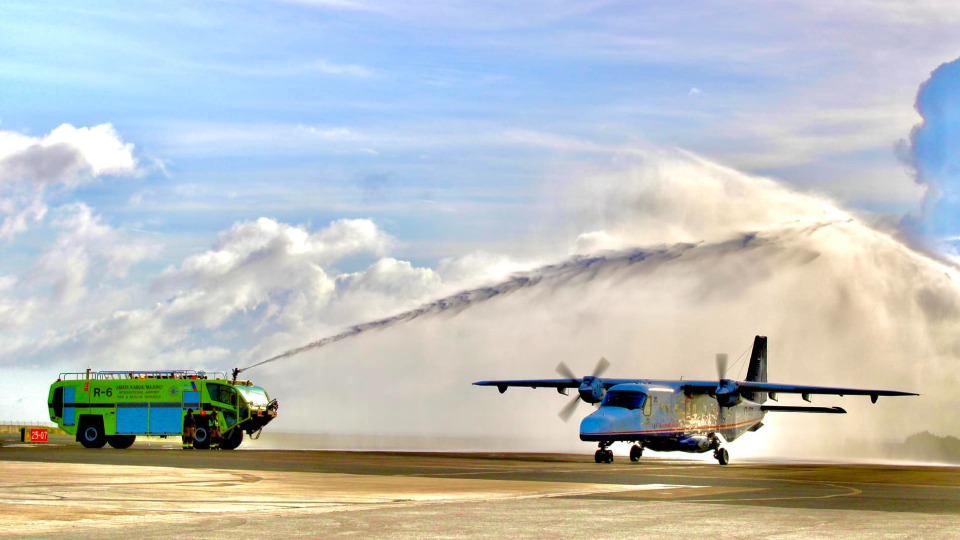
(757, 369)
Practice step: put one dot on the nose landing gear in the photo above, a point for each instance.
(604, 455)
(636, 451)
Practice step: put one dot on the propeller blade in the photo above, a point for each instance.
(721, 366)
(567, 411)
(602, 366)
(565, 370)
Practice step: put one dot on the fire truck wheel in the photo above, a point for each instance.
(201, 438)
(91, 434)
(232, 440)
(121, 441)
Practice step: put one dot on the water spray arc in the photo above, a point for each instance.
(578, 268)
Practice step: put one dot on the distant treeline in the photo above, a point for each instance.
(933, 447)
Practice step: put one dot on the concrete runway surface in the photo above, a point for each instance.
(154, 490)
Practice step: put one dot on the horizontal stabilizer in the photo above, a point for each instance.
(788, 408)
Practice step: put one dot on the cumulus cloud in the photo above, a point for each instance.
(67, 155)
(933, 153)
(84, 243)
(386, 286)
(14, 313)
(262, 279)
(265, 244)
(18, 212)
(266, 264)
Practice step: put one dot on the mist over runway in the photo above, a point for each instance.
(843, 303)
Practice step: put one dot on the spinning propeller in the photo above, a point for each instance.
(590, 390)
(728, 392)
(721, 366)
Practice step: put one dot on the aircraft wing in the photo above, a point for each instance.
(549, 383)
(806, 391)
(709, 387)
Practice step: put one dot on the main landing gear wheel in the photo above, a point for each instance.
(721, 456)
(603, 456)
(636, 451)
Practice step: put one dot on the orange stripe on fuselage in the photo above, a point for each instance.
(676, 429)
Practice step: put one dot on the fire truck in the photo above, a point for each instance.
(113, 407)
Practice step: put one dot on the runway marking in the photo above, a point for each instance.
(851, 491)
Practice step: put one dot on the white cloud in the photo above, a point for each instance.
(84, 243)
(390, 277)
(231, 139)
(18, 212)
(265, 264)
(14, 313)
(67, 155)
(353, 70)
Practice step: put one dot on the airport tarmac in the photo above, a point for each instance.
(154, 490)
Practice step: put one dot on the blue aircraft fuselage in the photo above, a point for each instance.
(663, 417)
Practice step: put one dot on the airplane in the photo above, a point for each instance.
(679, 415)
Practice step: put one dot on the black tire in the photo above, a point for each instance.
(232, 440)
(121, 442)
(201, 438)
(609, 456)
(722, 456)
(598, 456)
(91, 434)
(636, 451)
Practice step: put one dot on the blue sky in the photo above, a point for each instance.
(393, 151)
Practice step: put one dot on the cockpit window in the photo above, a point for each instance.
(623, 399)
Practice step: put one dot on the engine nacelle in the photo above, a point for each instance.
(728, 393)
(591, 390)
(694, 443)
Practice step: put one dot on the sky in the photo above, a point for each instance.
(209, 185)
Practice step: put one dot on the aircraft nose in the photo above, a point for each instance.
(600, 425)
(594, 424)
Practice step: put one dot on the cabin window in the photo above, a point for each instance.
(625, 400)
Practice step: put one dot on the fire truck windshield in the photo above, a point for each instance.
(256, 397)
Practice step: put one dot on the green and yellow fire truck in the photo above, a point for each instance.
(113, 407)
